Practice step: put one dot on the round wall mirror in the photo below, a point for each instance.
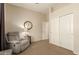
(28, 25)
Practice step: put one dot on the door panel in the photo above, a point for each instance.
(50, 31)
(56, 30)
(66, 31)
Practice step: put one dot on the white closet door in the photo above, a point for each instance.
(56, 31)
(66, 31)
(51, 39)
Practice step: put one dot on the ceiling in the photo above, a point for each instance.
(41, 7)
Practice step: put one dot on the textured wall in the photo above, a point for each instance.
(16, 16)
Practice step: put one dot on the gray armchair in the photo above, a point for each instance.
(17, 44)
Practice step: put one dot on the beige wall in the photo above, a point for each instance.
(16, 16)
(73, 8)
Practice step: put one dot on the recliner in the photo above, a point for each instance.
(17, 44)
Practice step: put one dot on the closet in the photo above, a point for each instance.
(55, 30)
(61, 30)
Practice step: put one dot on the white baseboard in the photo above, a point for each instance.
(36, 40)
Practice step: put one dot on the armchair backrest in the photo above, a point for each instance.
(13, 36)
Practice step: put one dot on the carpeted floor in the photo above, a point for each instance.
(44, 48)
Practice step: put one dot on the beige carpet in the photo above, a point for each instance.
(44, 48)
